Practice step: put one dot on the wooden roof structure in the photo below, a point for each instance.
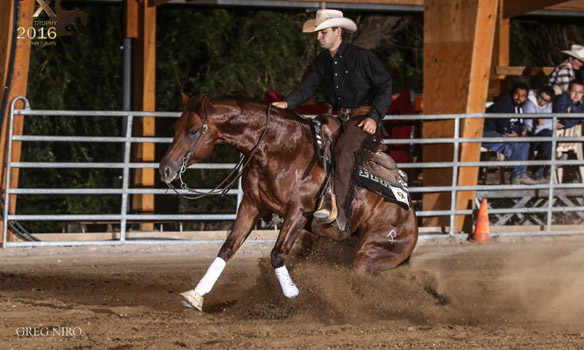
(463, 41)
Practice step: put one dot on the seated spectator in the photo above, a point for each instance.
(540, 102)
(571, 102)
(511, 102)
(568, 70)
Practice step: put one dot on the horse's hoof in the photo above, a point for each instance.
(192, 299)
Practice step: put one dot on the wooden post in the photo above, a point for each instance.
(498, 83)
(449, 72)
(18, 84)
(477, 98)
(144, 88)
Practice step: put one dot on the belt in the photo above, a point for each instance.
(348, 113)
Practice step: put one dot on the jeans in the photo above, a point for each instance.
(545, 149)
(514, 151)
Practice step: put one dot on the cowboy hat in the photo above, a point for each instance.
(327, 19)
(576, 51)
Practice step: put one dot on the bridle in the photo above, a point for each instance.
(235, 174)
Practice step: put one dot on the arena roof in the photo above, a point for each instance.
(562, 8)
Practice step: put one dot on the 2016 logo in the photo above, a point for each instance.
(49, 21)
(44, 6)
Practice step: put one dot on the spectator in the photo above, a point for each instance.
(571, 102)
(510, 127)
(540, 102)
(568, 70)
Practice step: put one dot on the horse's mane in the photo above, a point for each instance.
(241, 98)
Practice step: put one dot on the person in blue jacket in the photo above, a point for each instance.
(571, 101)
(510, 103)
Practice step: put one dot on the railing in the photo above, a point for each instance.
(543, 190)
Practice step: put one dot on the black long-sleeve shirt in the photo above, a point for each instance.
(354, 77)
(504, 125)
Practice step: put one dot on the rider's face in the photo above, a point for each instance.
(327, 37)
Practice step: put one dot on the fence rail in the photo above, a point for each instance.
(547, 194)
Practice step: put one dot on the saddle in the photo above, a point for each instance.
(378, 172)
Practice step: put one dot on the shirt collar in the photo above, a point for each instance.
(341, 51)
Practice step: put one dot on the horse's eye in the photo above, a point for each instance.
(192, 132)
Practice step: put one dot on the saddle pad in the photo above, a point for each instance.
(394, 192)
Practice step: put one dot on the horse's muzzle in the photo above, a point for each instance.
(167, 175)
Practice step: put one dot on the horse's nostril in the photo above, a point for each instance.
(166, 172)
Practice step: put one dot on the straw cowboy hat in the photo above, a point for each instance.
(576, 51)
(327, 19)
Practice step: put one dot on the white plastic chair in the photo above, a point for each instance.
(575, 146)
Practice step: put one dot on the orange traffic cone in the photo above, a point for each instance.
(482, 230)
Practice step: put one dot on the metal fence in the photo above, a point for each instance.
(542, 203)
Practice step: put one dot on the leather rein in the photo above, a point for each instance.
(235, 174)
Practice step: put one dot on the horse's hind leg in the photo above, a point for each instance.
(247, 217)
(289, 233)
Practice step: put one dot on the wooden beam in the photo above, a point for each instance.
(499, 83)
(144, 88)
(521, 70)
(131, 14)
(572, 5)
(384, 2)
(484, 36)
(18, 86)
(514, 8)
(448, 34)
(6, 14)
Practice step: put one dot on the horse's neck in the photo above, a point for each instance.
(282, 130)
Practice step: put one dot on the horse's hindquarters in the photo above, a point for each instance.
(386, 239)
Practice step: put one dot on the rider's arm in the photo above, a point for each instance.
(381, 80)
(307, 88)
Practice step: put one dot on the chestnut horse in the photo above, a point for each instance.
(281, 178)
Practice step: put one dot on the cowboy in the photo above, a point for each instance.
(566, 71)
(355, 83)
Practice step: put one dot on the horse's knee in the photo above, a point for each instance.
(277, 259)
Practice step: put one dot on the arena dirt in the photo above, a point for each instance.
(514, 294)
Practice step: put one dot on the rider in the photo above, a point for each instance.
(356, 84)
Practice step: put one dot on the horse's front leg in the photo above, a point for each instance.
(246, 219)
(291, 228)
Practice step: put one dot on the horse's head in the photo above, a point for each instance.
(195, 136)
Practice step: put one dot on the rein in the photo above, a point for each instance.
(235, 174)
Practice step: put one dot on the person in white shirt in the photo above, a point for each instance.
(540, 101)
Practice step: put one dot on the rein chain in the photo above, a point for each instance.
(235, 174)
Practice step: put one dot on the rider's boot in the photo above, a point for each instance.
(327, 208)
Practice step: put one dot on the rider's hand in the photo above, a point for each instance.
(280, 104)
(368, 125)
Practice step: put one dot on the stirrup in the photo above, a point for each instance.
(327, 208)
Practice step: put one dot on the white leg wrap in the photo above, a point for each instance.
(288, 287)
(208, 281)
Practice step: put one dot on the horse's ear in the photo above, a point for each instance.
(205, 104)
(185, 98)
